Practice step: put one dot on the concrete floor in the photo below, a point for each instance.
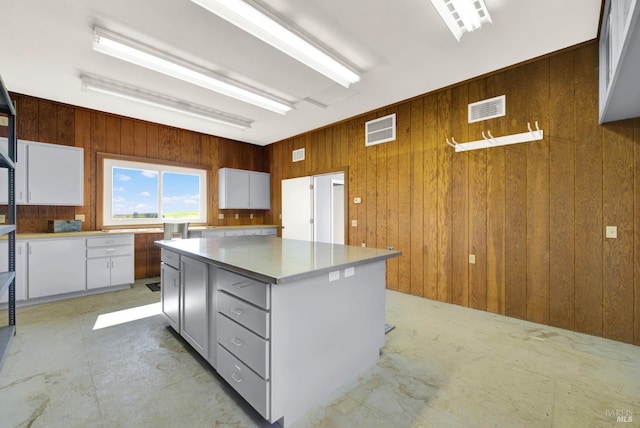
(442, 366)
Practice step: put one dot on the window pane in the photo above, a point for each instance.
(180, 196)
(134, 194)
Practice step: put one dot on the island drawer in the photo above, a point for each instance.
(248, 289)
(255, 319)
(248, 384)
(250, 348)
(170, 258)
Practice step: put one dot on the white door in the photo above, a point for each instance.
(297, 201)
(337, 211)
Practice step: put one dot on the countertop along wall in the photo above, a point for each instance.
(533, 214)
(56, 123)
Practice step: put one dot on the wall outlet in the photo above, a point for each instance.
(354, 223)
(472, 259)
(357, 200)
(364, 244)
(611, 232)
(350, 271)
(80, 217)
(3, 219)
(334, 276)
(4, 121)
(237, 216)
(221, 216)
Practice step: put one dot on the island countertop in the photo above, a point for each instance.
(275, 260)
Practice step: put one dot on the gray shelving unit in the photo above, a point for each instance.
(8, 279)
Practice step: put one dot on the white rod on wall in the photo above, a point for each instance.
(491, 141)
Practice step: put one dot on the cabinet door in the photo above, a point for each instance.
(55, 175)
(170, 293)
(234, 188)
(122, 270)
(260, 190)
(98, 273)
(56, 266)
(21, 269)
(21, 175)
(194, 321)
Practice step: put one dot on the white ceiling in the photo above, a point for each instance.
(402, 47)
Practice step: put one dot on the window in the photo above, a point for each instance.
(148, 193)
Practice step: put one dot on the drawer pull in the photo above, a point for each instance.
(110, 250)
(236, 311)
(236, 378)
(236, 341)
(242, 284)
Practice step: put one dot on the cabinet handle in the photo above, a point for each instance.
(236, 378)
(236, 311)
(30, 250)
(175, 283)
(110, 250)
(107, 264)
(236, 341)
(243, 284)
(111, 263)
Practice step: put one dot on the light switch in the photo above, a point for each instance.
(237, 216)
(3, 219)
(251, 216)
(611, 232)
(221, 216)
(354, 223)
(472, 259)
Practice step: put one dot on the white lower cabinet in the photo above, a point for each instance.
(109, 261)
(21, 269)
(194, 314)
(56, 266)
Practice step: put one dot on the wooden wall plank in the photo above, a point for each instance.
(516, 199)
(393, 210)
(636, 238)
(47, 122)
(139, 139)
(382, 153)
(445, 197)
(354, 178)
(65, 127)
(403, 137)
(416, 201)
(561, 131)
(370, 197)
(82, 138)
(589, 230)
(538, 197)
(113, 134)
(478, 206)
(27, 118)
(460, 199)
(432, 147)
(127, 142)
(496, 195)
(618, 211)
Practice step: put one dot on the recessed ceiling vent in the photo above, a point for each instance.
(488, 109)
(380, 130)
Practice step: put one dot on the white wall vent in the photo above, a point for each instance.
(380, 130)
(487, 109)
(298, 155)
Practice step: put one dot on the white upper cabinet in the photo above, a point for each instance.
(620, 61)
(46, 174)
(240, 189)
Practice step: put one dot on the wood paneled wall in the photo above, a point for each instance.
(56, 123)
(533, 214)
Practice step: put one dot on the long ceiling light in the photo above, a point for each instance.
(462, 15)
(129, 50)
(155, 99)
(270, 29)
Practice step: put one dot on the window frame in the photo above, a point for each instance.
(105, 163)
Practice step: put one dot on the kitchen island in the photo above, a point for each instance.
(284, 322)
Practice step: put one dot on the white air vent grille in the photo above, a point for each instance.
(487, 109)
(380, 130)
(298, 155)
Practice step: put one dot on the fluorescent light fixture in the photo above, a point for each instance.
(129, 50)
(264, 25)
(462, 15)
(155, 99)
